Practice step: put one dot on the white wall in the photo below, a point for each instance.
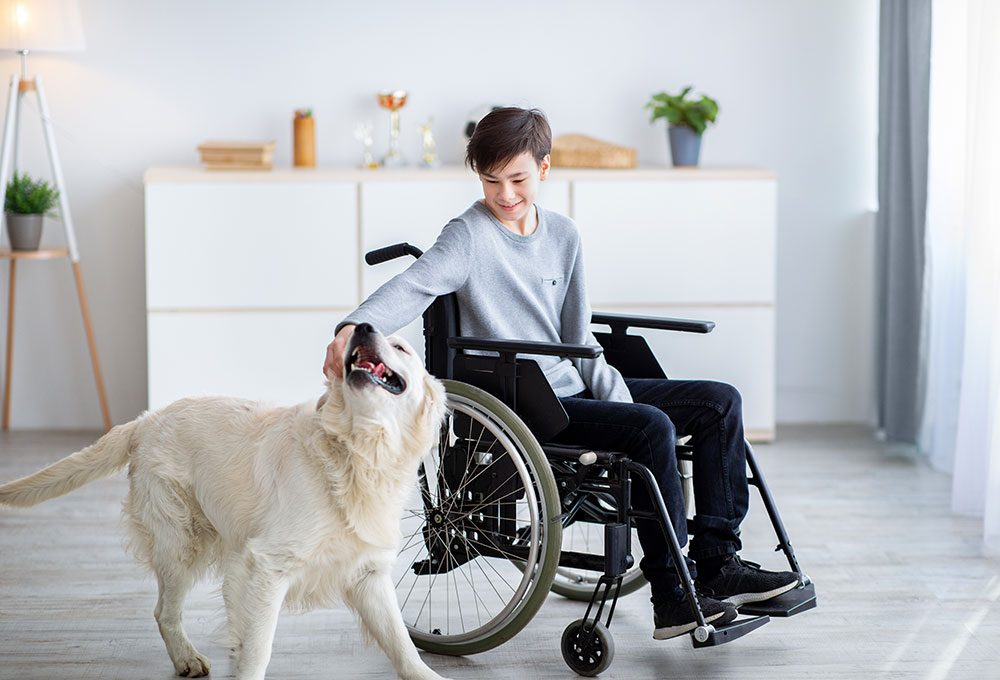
(795, 81)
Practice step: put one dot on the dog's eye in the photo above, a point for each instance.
(400, 348)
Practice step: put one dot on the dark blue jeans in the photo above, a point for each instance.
(712, 413)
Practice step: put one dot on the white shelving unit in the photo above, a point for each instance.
(247, 273)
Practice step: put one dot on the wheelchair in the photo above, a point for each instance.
(499, 518)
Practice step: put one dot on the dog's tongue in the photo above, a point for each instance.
(377, 369)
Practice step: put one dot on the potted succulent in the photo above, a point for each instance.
(686, 121)
(27, 202)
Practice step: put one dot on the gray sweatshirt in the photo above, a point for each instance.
(509, 287)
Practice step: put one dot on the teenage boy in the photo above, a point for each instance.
(517, 271)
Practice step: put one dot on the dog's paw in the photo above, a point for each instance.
(196, 666)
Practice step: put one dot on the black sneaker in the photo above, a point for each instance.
(740, 582)
(674, 618)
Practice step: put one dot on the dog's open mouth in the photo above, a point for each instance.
(367, 365)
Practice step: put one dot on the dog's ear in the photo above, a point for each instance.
(435, 401)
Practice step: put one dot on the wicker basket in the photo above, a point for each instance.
(580, 151)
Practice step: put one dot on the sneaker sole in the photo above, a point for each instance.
(741, 599)
(674, 631)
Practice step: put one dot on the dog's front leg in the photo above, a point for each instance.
(260, 602)
(374, 599)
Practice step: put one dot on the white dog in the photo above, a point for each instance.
(298, 505)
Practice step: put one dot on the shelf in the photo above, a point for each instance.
(195, 174)
(43, 254)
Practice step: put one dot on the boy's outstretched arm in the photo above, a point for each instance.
(443, 269)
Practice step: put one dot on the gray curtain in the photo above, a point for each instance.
(904, 102)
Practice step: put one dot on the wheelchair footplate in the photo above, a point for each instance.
(795, 601)
(711, 636)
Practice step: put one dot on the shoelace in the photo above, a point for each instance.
(746, 563)
(704, 591)
(699, 590)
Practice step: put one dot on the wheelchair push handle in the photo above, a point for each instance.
(380, 255)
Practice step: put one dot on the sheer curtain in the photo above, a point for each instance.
(961, 424)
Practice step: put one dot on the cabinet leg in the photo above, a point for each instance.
(9, 363)
(92, 345)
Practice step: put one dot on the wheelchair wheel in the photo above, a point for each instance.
(584, 532)
(587, 649)
(481, 530)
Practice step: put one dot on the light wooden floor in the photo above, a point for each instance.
(903, 590)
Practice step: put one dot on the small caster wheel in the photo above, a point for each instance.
(587, 649)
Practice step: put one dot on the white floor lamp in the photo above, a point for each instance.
(25, 26)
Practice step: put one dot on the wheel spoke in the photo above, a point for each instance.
(466, 480)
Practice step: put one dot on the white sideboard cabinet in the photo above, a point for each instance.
(247, 273)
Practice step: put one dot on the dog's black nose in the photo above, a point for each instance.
(364, 329)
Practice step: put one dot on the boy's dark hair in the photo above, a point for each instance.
(505, 133)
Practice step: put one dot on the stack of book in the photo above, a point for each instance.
(237, 155)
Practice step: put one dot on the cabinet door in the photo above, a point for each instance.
(669, 242)
(268, 356)
(740, 351)
(251, 244)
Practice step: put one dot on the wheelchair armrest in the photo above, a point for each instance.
(620, 322)
(526, 347)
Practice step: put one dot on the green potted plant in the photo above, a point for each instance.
(686, 121)
(27, 202)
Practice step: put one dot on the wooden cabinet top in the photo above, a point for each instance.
(197, 174)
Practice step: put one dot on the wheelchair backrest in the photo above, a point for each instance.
(440, 323)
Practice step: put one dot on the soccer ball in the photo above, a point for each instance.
(475, 116)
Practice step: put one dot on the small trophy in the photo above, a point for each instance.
(394, 101)
(363, 133)
(429, 158)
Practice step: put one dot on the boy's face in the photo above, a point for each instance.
(510, 191)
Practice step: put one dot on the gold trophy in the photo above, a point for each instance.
(394, 101)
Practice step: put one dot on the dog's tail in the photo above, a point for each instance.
(102, 459)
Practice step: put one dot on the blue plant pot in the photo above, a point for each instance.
(685, 145)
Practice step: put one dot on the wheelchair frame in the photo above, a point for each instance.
(519, 384)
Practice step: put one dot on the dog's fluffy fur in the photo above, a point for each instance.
(296, 506)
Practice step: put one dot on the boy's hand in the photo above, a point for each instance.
(333, 368)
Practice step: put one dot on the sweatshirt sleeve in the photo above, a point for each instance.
(442, 269)
(603, 380)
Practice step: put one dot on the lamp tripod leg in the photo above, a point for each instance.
(92, 345)
(6, 154)
(9, 137)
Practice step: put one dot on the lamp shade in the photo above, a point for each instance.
(41, 25)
